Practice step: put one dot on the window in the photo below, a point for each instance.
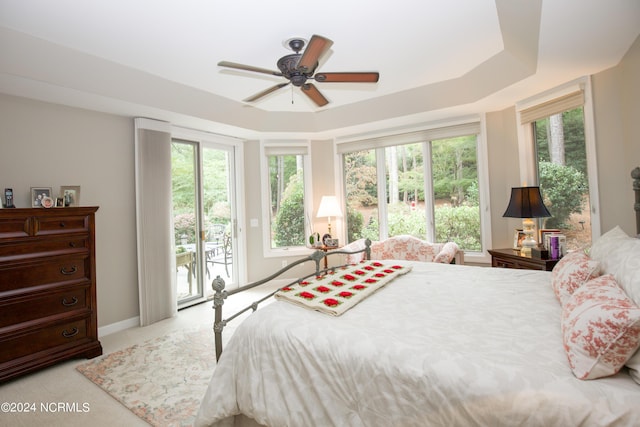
(287, 189)
(559, 141)
(430, 182)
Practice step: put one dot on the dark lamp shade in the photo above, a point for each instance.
(526, 202)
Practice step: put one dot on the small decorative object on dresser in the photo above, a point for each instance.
(37, 194)
(70, 194)
(47, 288)
(518, 238)
(8, 198)
(47, 202)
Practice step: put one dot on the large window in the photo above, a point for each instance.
(563, 175)
(286, 167)
(556, 130)
(424, 184)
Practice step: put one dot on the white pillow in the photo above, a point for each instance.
(619, 255)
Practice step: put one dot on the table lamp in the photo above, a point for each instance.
(329, 207)
(526, 203)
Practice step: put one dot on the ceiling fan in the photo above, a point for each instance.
(300, 67)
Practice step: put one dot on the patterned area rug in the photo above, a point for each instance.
(161, 380)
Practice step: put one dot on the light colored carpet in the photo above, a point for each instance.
(161, 380)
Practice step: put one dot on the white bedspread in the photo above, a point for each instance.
(444, 345)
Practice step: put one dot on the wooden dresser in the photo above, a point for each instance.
(47, 288)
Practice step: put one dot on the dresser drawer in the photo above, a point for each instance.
(40, 247)
(45, 271)
(503, 263)
(36, 305)
(14, 227)
(60, 224)
(35, 340)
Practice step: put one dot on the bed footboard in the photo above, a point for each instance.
(221, 293)
(635, 174)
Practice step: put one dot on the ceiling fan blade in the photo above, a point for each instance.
(312, 92)
(347, 77)
(266, 92)
(248, 68)
(317, 46)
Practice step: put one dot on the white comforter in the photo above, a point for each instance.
(445, 345)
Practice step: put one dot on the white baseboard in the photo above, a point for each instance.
(119, 326)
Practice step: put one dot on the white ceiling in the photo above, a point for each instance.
(436, 58)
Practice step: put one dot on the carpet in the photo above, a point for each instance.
(161, 380)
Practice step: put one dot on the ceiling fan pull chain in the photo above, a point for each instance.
(291, 95)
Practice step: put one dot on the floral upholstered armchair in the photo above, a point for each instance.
(408, 248)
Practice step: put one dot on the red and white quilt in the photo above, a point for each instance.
(339, 290)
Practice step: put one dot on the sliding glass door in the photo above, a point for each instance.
(204, 217)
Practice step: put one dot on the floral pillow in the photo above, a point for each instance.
(600, 328)
(571, 272)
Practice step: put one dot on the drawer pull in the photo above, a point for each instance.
(62, 224)
(66, 272)
(70, 334)
(66, 303)
(72, 244)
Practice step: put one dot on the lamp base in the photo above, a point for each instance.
(528, 227)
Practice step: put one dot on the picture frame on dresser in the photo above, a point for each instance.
(518, 238)
(70, 195)
(37, 194)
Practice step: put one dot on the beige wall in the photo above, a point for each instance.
(504, 173)
(616, 95)
(323, 183)
(50, 145)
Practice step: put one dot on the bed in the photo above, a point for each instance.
(469, 346)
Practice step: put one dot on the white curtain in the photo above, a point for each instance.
(156, 258)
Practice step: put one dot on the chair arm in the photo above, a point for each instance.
(450, 253)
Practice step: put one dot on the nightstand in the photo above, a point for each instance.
(511, 258)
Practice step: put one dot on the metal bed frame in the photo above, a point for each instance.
(635, 174)
(221, 294)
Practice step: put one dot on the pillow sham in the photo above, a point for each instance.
(571, 272)
(619, 255)
(600, 328)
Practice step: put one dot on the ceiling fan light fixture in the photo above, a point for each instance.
(295, 43)
(298, 67)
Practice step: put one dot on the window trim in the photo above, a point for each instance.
(284, 147)
(526, 144)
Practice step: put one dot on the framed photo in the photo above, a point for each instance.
(39, 193)
(60, 202)
(518, 238)
(334, 243)
(70, 195)
(543, 236)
